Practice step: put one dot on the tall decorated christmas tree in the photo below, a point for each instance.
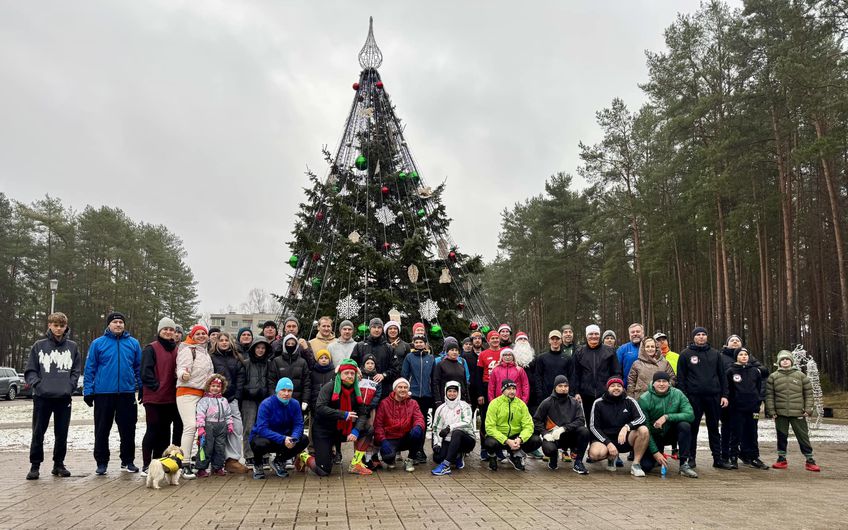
(371, 239)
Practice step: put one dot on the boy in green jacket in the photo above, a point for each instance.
(509, 426)
(789, 400)
(669, 419)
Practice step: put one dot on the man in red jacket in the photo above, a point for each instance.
(399, 426)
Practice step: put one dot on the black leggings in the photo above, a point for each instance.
(460, 443)
(157, 437)
(323, 443)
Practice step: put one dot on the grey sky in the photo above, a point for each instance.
(203, 115)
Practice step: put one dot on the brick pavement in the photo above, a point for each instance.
(471, 498)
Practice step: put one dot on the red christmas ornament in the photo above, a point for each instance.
(474, 326)
(319, 216)
(316, 256)
(452, 256)
(385, 190)
(356, 86)
(386, 246)
(460, 306)
(379, 84)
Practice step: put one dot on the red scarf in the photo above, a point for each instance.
(345, 405)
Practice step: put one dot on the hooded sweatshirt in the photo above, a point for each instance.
(256, 386)
(611, 413)
(341, 349)
(559, 410)
(642, 372)
(746, 387)
(322, 342)
(290, 363)
(320, 376)
(700, 372)
(54, 366)
(455, 414)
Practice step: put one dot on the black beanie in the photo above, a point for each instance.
(698, 329)
(560, 380)
(115, 315)
(661, 375)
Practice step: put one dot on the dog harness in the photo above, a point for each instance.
(171, 463)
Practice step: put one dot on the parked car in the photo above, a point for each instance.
(25, 390)
(10, 383)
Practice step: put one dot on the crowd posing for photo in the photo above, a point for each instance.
(216, 403)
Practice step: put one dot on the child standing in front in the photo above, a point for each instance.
(214, 422)
(371, 392)
(747, 391)
(789, 400)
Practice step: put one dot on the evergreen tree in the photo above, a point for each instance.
(372, 237)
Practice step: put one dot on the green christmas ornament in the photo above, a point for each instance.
(293, 261)
(362, 328)
(316, 282)
(414, 176)
(485, 330)
(421, 212)
(435, 330)
(402, 176)
(361, 162)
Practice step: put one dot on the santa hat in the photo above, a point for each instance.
(492, 334)
(504, 327)
(521, 335)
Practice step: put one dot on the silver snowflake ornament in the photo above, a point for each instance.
(347, 307)
(428, 309)
(385, 216)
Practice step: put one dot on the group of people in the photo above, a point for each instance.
(282, 402)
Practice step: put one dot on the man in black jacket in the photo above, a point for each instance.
(617, 424)
(593, 364)
(53, 371)
(701, 376)
(560, 421)
(551, 364)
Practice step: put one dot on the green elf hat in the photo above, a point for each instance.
(347, 364)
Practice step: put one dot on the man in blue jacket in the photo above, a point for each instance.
(111, 380)
(278, 429)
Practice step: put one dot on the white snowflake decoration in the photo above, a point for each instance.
(801, 361)
(385, 216)
(428, 309)
(347, 307)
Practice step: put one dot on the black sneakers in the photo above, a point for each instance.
(33, 472)
(59, 470)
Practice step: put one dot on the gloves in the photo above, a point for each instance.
(437, 449)
(89, 400)
(416, 432)
(386, 448)
(230, 429)
(554, 434)
(201, 431)
(304, 406)
(444, 432)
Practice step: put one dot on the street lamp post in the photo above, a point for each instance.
(54, 286)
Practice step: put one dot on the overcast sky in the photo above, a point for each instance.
(202, 115)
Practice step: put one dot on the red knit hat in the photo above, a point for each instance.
(492, 334)
(195, 328)
(613, 380)
(418, 325)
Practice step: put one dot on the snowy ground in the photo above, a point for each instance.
(14, 437)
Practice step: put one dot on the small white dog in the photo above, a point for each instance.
(167, 469)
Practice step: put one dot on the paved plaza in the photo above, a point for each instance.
(472, 498)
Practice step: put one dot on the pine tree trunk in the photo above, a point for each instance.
(837, 234)
(682, 328)
(785, 184)
(637, 257)
(725, 285)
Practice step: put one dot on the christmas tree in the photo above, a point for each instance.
(372, 239)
